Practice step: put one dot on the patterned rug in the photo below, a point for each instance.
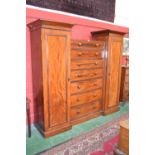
(99, 141)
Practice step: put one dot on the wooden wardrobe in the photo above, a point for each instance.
(50, 48)
(73, 80)
(112, 56)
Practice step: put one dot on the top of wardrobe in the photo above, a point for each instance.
(48, 24)
(107, 32)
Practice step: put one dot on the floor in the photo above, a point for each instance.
(37, 143)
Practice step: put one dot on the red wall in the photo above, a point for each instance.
(81, 30)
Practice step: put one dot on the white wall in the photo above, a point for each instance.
(122, 12)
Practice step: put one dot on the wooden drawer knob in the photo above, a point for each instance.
(78, 99)
(95, 73)
(78, 112)
(94, 107)
(78, 75)
(79, 44)
(97, 45)
(80, 53)
(94, 95)
(95, 84)
(96, 53)
(96, 63)
(78, 86)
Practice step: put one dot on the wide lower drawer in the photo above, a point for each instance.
(86, 64)
(86, 97)
(81, 86)
(85, 109)
(86, 74)
(86, 54)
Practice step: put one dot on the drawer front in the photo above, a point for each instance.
(86, 74)
(86, 44)
(86, 97)
(77, 87)
(86, 54)
(85, 109)
(86, 64)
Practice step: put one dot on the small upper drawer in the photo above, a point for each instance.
(82, 110)
(78, 44)
(86, 74)
(86, 64)
(86, 97)
(86, 54)
(81, 86)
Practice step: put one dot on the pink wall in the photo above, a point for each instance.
(81, 30)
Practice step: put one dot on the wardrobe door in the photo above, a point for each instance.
(113, 74)
(56, 51)
(50, 48)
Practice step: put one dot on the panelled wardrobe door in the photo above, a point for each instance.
(55, 49)
(113, 55)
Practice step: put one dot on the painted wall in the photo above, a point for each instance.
(81, 30)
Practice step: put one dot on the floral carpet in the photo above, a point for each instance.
(99, 141)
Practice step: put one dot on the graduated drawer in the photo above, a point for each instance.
(85, 109)
(86, 74)
(86, 54)
(86, 64)
(86, 97)
(80, 86)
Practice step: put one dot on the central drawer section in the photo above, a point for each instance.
(86, 78)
